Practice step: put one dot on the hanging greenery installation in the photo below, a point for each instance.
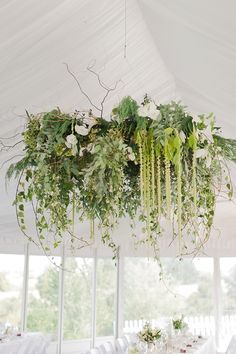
(155, 164)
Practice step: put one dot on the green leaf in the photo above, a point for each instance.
(21, 207)
(177, 142)
(192, 141)
(168, 131)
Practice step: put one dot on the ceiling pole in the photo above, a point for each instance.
(125, 29)
(119, 295)
(94, 298)
(217, 299)
(61, 302)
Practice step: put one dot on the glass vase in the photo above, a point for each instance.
(150, 347)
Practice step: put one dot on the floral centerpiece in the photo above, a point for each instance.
(179, 323)
(148, 162)
(149, 334)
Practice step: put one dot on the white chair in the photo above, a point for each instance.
(125, 339)
(107, 348)
(102, 349)
(121, 345)
(232, 346)
(130, 338)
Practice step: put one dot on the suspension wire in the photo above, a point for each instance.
(125, 30)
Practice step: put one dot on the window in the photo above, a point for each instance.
(186, 288)
(42, 311)
(78, 298)
(106, 288)
(228, 287)
(11, 285)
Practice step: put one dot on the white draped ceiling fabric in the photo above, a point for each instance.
(182, 49)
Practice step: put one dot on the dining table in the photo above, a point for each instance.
(194, 345)
(186, 344)
(24, 343)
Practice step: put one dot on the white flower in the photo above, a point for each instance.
(149, 110)
(131, 157)
(81, 130)
(208, 134)
(90, 121)
(201, 153)
(131, 154)
(81, 151)
(71, 140)
(142, 111)
(71, 143)
(182, 136)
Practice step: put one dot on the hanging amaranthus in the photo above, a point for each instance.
(158, 182)
(194, 182)
(73, 214)
(167, 175)
(193, 144)
(141, 168)
(148, 185)
(147, 177)
(179, 185)
(152, 159)
(144, 186)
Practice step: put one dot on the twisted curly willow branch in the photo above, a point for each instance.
(107, 89)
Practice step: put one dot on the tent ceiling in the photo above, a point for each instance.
(197, 40)
(174, 49)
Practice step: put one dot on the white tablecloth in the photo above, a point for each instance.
(203, 346)
(30, 343)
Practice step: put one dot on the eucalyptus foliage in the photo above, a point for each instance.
(148, 162)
